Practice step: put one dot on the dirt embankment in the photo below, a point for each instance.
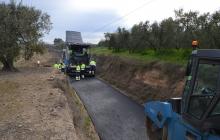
(33, 106)
(142, 81)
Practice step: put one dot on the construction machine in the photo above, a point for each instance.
(76, 54)
(195, 115)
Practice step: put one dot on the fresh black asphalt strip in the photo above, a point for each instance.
(115, 116)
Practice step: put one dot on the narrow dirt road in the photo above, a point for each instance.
(116, 117)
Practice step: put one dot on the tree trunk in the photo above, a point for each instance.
(8, 65)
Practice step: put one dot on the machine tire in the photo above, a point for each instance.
(153, 133)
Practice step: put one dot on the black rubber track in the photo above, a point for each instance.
(115, 116)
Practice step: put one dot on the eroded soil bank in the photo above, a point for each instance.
(142, 81)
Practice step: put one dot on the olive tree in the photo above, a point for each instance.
(21, 28)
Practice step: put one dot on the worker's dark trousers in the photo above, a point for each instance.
(92, 68)
(77, 75)
(82, 73)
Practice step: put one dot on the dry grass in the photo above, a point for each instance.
(8, 87)
(33, 104)
(30, 107)
(9, 102)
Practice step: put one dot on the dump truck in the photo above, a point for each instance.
(195, 115)
(76, 52)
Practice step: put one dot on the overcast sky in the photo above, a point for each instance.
(95, 17)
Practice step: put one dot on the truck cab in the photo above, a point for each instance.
(195, 115)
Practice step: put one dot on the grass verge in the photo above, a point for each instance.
(179, 56)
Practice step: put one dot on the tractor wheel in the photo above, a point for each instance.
(153, 133)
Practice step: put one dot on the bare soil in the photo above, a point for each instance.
(32, 106)
(142, 81)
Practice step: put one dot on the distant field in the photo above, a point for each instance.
(172, 55)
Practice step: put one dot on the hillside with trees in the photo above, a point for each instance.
(168, 36)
